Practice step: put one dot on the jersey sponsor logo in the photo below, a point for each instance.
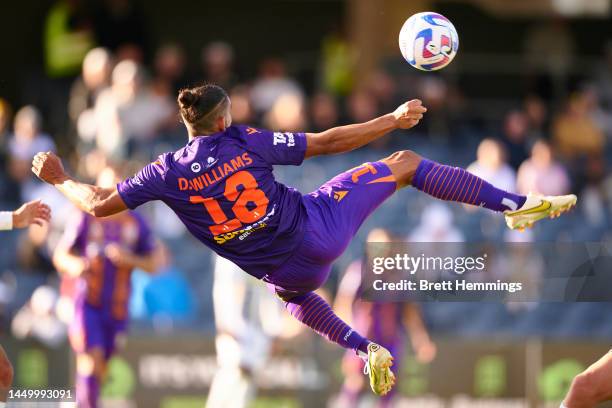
(243, 233)
(339, 195)
(214, 175)
(251, 130)
(284, 138)
(210, 161)
(196, 167)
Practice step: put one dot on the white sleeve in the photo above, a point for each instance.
(6, 220)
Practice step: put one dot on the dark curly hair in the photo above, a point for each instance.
(201, 105)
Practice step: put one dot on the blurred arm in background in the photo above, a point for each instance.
(422, 345)
(34, 212)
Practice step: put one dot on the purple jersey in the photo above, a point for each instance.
(223, 190)
(104, 286)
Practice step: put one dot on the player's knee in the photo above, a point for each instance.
(6, 374)
(403, 165)
(89, 364)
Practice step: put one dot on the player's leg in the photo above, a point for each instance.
(241, 345)
(592, 386)
(90, 368)
(6, 376)
(456, 184)
(312, 310)
(87, 341)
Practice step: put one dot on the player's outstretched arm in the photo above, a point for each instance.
(97, 201)
(346, 138)
(33, 212)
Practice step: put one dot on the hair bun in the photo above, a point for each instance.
(187, 99)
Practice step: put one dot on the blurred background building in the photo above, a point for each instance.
(526, 104)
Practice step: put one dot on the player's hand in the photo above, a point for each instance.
(48, 167)
(409, 114)
(34, 212)
(119, 256)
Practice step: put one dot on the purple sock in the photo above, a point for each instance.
(87, 391)
(316, 313)
(456, 184)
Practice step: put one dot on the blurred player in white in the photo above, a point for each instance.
(247, 320)
(34, 212)
(592, 386)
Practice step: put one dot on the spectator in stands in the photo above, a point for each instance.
(338, 63)
(120, 25)
(5, 122)
(323, 112)
(242, 111)
(8, 189)
(382, 87)
(491, 165)
(436, 225)
(361, 107)
(541, 173)
(602, 117)
(536, 114)
(273, 83)
(128, 114)
(218, 64)
(593, 194)
(515, 137)
(27, 140)
(603, 78)
(95, 77)
(575, 133)
(37, 319)
(170, 69)
(287, 114)
(68, 36)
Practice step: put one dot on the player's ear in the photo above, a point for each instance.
(221, 123)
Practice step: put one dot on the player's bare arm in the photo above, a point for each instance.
(97, 201)
(424, 348)
(68, 263)
(125, 258)
(346, 138)
(34, 212)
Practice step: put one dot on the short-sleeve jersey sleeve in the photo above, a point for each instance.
(276, 147)
(147, 185)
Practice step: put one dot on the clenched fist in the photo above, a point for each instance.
(48, 167)
(409, 114)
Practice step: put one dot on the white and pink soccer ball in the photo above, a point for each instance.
(428, 41)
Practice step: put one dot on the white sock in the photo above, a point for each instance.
(563, 405)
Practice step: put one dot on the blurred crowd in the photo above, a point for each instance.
(112, 102)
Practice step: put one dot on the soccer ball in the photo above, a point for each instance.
(428, 41)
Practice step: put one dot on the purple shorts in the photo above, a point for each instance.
(336, 210)
(93, 328)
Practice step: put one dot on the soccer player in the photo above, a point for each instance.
(592, 386)
(222, 187)
(96, 256)
(34, 212)
(247, 319)
(390, 323)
